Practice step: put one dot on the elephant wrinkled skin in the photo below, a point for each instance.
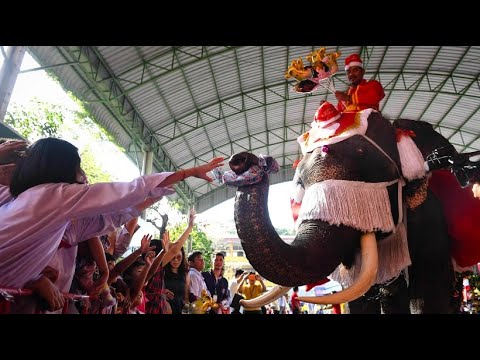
(320, 247)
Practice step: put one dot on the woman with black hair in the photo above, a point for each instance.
(53, 204)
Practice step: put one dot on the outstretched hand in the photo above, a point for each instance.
(9, 146)
(191, 217)
(202, 170)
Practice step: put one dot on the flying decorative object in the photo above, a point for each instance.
(322, 67)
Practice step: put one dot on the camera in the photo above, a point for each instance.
(465, 166)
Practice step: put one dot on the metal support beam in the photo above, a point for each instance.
(8, 76)
(147, 168)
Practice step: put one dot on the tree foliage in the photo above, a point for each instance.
(40, 119)
(37, 121)
(94, 172)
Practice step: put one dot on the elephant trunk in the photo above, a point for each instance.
(314, 254)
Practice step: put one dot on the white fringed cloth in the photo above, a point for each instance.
(365, 207)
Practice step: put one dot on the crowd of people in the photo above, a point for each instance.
(62, 239)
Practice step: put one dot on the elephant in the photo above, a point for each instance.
(397, 265)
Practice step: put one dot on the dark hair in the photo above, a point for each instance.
(127, 274)
(48, 160)
(158, 245)
(182, 269)
(193, 255)
(220, 254)
(238, 272)
(295, 289)
(109, 257)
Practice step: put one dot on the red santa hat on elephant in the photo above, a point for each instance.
(353, 60)
(330, 126)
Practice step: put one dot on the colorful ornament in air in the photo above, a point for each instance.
(322, 66)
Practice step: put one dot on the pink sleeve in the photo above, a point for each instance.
(85, 228)
(5, 195)
(122, 242)
(70, 201)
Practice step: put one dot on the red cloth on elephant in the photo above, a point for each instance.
(462, 212)
(367, 94)
(318, 283)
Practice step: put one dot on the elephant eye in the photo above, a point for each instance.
(360, 151)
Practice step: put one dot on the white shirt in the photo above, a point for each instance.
(197, 283)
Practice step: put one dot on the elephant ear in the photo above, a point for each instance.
(462, 212)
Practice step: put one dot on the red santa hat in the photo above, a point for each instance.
(326, 114)
(330, 126)
(353, 60)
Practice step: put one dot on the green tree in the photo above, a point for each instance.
(94, 172)
(38, 120)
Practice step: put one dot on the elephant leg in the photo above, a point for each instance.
(369, 303)
(431, 274)
(394, 297)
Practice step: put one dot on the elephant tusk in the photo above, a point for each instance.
(265, 298)
(368, 273)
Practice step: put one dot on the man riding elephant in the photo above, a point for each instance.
(361, 193)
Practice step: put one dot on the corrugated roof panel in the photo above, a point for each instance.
(458, 138)
(240, 145)
(250, 64)
(472, 124)
(276, 63)
(275, 94)
(420, 58)
(394, 108)
(275, 116)
(201, 83)
(217, 132)
(474, 89)
(256, 120)
(171, 85)
(440, 106)
(237, 126)
(394, 58)
(226, 75)
(470, 64)
(474, 146)
(448, 58)
(446, 132)
(120, 58)
(460, 112)
(176, 93)
(417, 105)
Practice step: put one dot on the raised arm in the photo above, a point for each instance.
(158, 259)
(123, 265)
(98, 254)
(199, 172)
(175, 247)
(140, 280)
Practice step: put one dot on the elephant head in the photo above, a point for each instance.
(352, 203)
